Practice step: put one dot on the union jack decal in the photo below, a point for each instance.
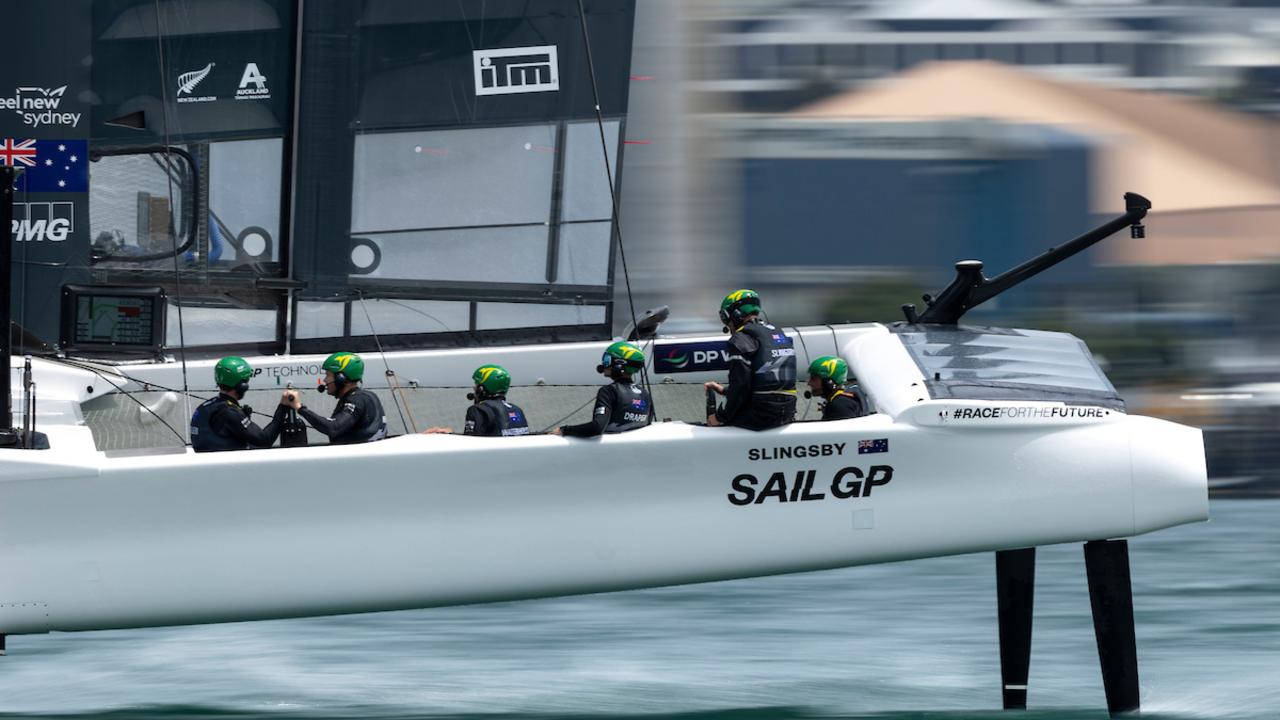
(18, 152)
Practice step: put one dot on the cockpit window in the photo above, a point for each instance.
(977, 363)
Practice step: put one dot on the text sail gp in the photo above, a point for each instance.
(847, 483)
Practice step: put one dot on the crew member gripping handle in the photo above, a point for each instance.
(711, 402)
(293, 432)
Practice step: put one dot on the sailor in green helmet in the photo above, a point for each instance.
(222, 423)
(620, 406)
(358, 418)
(828, 376)
(761, 392)
(491, 415)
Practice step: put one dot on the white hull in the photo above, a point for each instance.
(426, 521)
(91, 541)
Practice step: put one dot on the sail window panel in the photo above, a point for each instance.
(998, 363)
(131, 202)
(503, 316)
(244, 201)
(584, 254)
(391, 316)
(318, 320)
(586, 186)
(203, 326)
(452, 178)
(491, 255)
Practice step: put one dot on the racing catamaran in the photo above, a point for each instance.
(984, 439)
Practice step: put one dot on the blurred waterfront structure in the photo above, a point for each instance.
(839, 156)
(774, 56)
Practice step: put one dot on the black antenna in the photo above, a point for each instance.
(971, 288)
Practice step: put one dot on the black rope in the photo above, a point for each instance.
(613, 194)
(173, 223)
(569, 415)
(122, 391)
(390, 373)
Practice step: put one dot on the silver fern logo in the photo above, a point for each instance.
(188, 81)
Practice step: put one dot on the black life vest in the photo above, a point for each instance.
(632, 408)
(842, 405)
(773, 364)
(203, 436)
(373, 421)
(506, 418)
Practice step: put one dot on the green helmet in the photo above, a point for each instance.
(231, 371)
(349, 364)
(830, 367)
(493, 379)
(739, 303)
(622, 355)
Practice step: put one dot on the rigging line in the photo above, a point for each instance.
(574, 412)
(124, 392)
(173, 223)
(613, 193)
(147, 384)
(427, 315)
(157, 386)
(390, 373)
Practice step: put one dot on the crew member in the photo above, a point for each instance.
(491, 415)
(621, 405)
(222, 423)
(358, 417)
(761, 393)
(827, 377)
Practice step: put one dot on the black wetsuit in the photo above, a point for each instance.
(620, 406)
(842, 405)
(221, 423)
(495, 417)
(358, 418)
(762, 378)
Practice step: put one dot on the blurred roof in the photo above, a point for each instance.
(958, 9)
(1183, 153)
(1192, 158)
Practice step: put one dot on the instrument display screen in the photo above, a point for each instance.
(112, 317)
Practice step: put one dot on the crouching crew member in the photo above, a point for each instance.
(490, 415)
(827, 377)
(222, 423)
(762, 368)
(621, 405)
(358, 418)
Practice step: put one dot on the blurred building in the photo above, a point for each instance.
(822, 203)
(1212, 174)
(775, 56)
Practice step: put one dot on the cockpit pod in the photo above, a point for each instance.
(1042, 396)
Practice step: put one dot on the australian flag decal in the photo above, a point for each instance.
(48, 165)
(866, 447)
